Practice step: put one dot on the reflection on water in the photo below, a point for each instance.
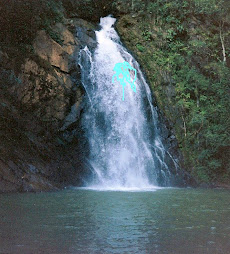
(86, 221)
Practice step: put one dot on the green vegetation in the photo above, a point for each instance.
(21, 19)
(184, 47)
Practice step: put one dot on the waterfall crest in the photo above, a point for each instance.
(125, 148)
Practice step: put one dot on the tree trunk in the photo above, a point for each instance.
(222, 44)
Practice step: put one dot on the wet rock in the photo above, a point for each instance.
(49, 50)
(36, 183)
(45, 93)
(85, 38)
(85, 34)
(67, 38)
(74, 114)
(40, 105)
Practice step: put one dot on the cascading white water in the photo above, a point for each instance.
(125, 150)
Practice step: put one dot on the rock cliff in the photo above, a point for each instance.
(41, 103)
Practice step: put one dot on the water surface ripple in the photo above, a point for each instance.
(87, 221)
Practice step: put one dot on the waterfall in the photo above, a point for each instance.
(125, 146)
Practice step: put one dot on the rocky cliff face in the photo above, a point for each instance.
(41, 103)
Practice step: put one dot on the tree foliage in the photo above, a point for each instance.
(20, 19)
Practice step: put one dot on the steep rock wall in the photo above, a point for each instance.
(41, 103)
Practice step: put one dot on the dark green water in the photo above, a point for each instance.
(85, 221)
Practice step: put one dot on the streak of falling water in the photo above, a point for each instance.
(125, 149)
